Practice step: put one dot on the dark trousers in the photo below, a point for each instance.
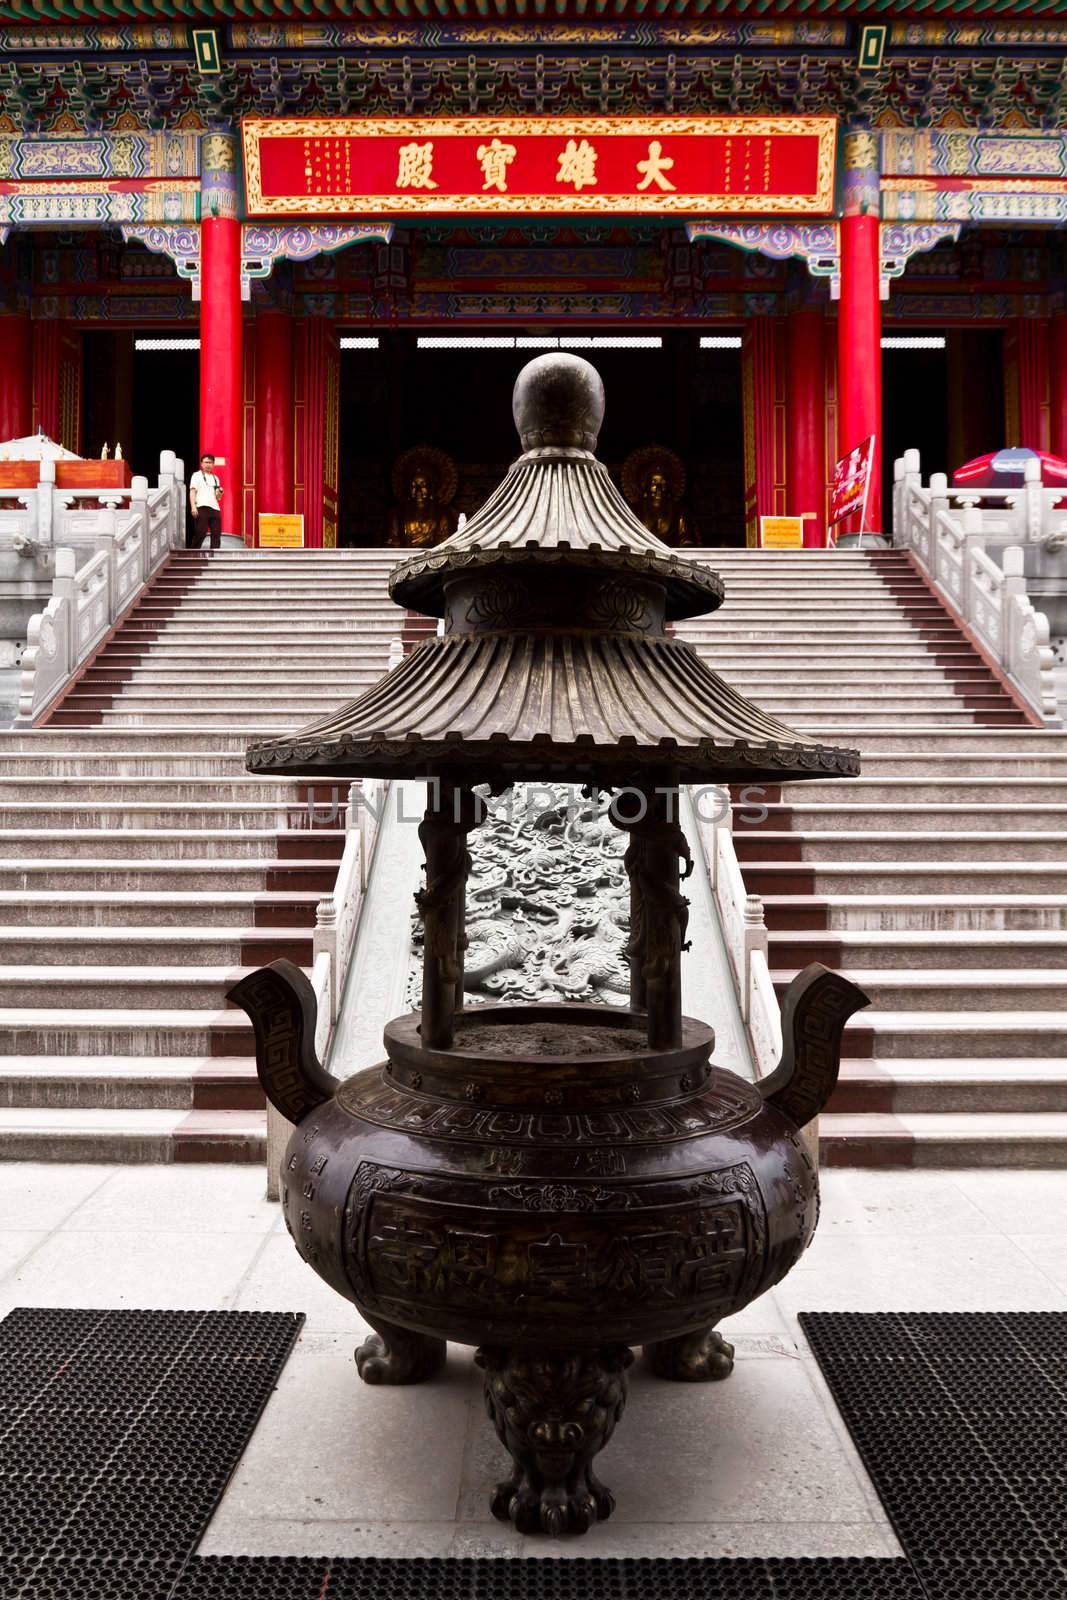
(208, 521)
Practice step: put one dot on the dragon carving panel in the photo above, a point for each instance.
(548, 903)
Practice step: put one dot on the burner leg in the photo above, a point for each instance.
(554, 1411)
(700, 1357)
(396, 1355)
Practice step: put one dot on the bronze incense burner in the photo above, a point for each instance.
(552, 1183)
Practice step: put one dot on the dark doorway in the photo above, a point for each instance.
(915, 400)
(107, 392)
(975, 394)
(679, 396)
(166, 408)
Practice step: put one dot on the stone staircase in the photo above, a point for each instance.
(937, 880)
(142, 869)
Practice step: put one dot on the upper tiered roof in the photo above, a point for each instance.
(555, 660)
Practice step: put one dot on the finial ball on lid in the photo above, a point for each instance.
(558, 399)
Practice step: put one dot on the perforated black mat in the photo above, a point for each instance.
(119, 1430)
(263, 1578)
(961, 1420)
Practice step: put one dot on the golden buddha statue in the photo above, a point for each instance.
(653, 481)
(424, 482)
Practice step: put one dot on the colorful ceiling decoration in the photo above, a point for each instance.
(215, 10)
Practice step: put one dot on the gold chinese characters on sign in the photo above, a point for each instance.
(538, 165)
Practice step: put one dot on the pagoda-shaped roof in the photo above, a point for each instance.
(555, 660)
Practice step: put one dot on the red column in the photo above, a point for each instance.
(859, 350)
(1034, 382)
(16, 376)
(1058, 385)
(806, 421)
(274, 412)
(221, 359)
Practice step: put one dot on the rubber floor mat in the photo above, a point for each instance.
(961, 1420)
(120, 1429)
(278, 1578)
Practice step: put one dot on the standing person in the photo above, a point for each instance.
(205, 492)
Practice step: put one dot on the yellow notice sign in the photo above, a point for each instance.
(277, 532)
(781, 533)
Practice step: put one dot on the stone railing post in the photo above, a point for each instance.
(46, 502)
(938, 505)
(66, 566)
(104, 540)
(910, 478)
(972, 540)
(755, 938)
(139, 508)
(1033, 501)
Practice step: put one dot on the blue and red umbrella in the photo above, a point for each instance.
(1006, 469)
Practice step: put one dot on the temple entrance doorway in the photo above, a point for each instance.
(943, 394)
(140, 391)
(426, 431)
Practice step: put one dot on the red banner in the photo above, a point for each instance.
(852, 476)
(755, 166)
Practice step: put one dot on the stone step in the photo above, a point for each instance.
(123, 1031)
(862, 675)
(160, 655)
(115, 988)
(102, 741)
(228, 846)
(894, 847)
(113, 790)
(80, 1134)
(936, 818)
(132, 908)
(228, 700)
(179, 1083)
(844, 697)
(989, 1035)
(181, 876)
(236, 683)
(1019, 794)
(933, 1139)
(904, 878)
(955, 991)
(260, 725)
(930, 913)
(243, 815)
(241, 945)
(182, 765)
(942, 768)
(922, 950)
(1023, 1085)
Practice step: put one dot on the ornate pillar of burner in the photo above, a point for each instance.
(451, 812)
(659, 912)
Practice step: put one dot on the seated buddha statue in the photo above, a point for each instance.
(653, 481)
(424, 482)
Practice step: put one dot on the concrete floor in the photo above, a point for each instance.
(758, 1465)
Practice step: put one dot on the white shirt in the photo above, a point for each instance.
(206, 487)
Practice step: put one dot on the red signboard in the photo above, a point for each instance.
(410, 166)
(852, 476)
